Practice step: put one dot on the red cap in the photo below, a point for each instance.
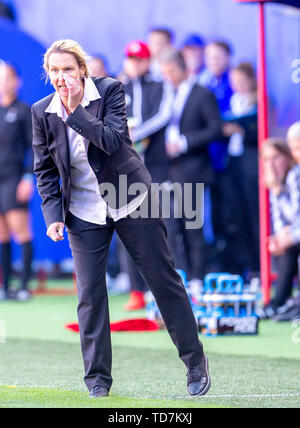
(137, 49)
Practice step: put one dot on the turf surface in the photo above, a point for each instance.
(41, 365)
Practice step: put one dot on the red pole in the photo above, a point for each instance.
(263, 133)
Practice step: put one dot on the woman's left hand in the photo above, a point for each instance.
(24, 191)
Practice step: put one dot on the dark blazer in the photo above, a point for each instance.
(151, 96)
(200, 123)
(103, 122)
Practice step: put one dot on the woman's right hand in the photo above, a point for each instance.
(56, 231)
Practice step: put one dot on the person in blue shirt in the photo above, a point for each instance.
(242, 129)
(216, 78)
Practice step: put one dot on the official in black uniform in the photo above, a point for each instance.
(16, 180)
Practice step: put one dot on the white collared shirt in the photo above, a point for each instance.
(86, 202)
(173, 129)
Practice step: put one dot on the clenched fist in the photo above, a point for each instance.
(56, 231)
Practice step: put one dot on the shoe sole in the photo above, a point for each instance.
(207, 388)
(98, 396)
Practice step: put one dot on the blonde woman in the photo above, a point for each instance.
(81, 137)
(282, 177)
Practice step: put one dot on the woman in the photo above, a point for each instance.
(282, 177)
(242, 130)
(16, 180)
(80, 136)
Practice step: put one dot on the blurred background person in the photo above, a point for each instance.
(242, 129)
(16, 179)
(195, 122)
(148, 107)
(282, 178)
(160, 39)
(98, 66)
(216, 78)
(193, 52)
(7, 10)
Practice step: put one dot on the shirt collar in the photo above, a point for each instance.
(187, 84)
(91, 93)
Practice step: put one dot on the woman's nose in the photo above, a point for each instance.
(60, 75)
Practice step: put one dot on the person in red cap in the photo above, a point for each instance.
(137, 61)
(148, 109)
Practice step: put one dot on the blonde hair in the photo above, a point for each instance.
(71, 47)
(294, 131)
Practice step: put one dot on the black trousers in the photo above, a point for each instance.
(146, 242)
(288, 268)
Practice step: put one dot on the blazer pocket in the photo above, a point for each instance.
(130, 165)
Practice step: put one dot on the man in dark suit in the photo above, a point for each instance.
(148, 108)
(195, 122)
(80, 136)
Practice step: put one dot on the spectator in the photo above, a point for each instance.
(148, 110)
(195, 122)
(7, 11)
(16, 180)
(242, 129)
(98, 66)
(159, 40)
(193, 53)
(216, 78)
(283, 180)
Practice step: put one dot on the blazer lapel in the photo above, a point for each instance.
(61, 138)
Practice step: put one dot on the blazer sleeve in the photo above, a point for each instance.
(47, 174)
(209, 111)
(160, 119)
(107, 134)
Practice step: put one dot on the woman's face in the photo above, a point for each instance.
(9, 82)
(217, 59)
(275, 163)
(60, 64)
(241, 83)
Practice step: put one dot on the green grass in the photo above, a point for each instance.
(41, 364)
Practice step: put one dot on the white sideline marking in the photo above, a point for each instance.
(251, 396)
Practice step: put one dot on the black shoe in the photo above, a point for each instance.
(296, 316)
(266, 312)
(198, 379)
(98, 391)
(290, 315)
(3, 295)
(7, 295)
